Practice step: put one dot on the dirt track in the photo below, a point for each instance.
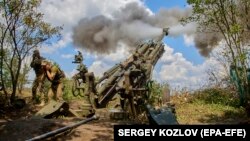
(19, 125)
(95, 131)
(20, 130)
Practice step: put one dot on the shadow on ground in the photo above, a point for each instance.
(23, 129)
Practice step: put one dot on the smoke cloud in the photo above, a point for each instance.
(134, 23)
(205, 42)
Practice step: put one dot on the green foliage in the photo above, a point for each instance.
(67, 90)
(235, 28)
(22, 30)
(23, 78)
(216, 96)
(199, 112)
(156, 92)
(5, 70)
(209, 106)
(230, 20)
(67, 94)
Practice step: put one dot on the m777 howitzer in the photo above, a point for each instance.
(129, 80)
(130, 76)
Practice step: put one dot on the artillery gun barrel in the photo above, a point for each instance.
(109, 72)
(144, 58)
(158, 49)
(143, 49)
(130, 77)
(114, 69)
(165, 33)
(109, 81)
(63, 129)
(114, 74)
(158, 46)
(154, 56)
(106, 91)
(105, 98)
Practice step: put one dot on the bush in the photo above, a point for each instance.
(221, 96)
(67, 90)
(156, 93)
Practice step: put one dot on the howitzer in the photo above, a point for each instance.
(130, 79)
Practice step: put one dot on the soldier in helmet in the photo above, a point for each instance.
(56, 76)
(82, 69)
(36, 64)
(78, 58)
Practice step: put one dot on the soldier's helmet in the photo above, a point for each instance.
(36, 52)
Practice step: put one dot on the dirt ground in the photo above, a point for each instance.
(94, 131)
(20, 124)
(20, 130)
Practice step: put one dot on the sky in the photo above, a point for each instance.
(181, 65)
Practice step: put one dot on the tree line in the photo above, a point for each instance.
(231, 20)
(22, 29)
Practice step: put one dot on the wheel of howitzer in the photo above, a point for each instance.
(135, 109)
(135, 99)
(77, 89)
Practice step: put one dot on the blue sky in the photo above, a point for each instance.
(181, 66)
(189, 52)
(155, 5)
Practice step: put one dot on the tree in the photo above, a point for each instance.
(230, 18)
(159, 93)
(22, 30)
(5, 74)
(23, 78)
(219, 75)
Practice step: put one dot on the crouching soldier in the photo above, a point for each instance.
(56, 76)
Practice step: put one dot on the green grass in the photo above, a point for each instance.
(209, 106)
(67, 92)
(220, 96)
(203, 113)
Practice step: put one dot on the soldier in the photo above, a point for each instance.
(78, 58)
(82, 69)
(38, 82)
(55, 75)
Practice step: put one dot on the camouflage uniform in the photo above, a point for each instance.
(82, 69)
(56, 88)
(78, 58)
(38, 82)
